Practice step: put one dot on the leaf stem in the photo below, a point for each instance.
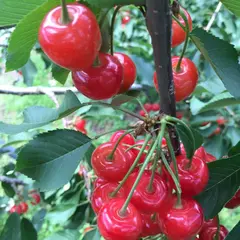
(65, 19)
(148, 137)
(148, 158)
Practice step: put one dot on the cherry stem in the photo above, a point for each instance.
(110, 157)
(187, 30)
(174, 160)
(65, 19)
(112, 27)
(135, 146)
(141, 105)
(217, 237)
(148, 137)
(154, 167)
(148, 158)
(176, 120)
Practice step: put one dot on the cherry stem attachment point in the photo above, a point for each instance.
(65, 19)
(112, 28)
(148, 158)
(187, 30)
(148, 137)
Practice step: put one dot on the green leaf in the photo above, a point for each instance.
(223, 183)
(35, 117)
(112, 3)
(12, 11)
(52, 157)
(29, 71)
(92, 235)
(121, 99)
(233, 6)
(210, 116)
(219, 101)
(234, 234)
(65, 235)
(25, 36)
(11, 230)
(234, 150)
(28, 231)
(8, 189)
(38, 219)
(60, 74)
(222, 56)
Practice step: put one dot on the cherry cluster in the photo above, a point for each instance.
(153, 207)
(22, 207)
(155, 107)
(75, 45)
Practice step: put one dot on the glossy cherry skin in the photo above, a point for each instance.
(150, 226)
(99, 182)
(74, 45)
(185, 80)
(24, 207)
(193, 180)
(114, 169)
(178, 34)
(155, 107)
(16, 209)
(129, 71)
(210, 223)
(148, 107)
(183, 222)
(200, 152)
(102, 195)
(146, 201)
(102, 81)
(210, 233)
(127, 139)
(37, 199)
(234, 202)
(80, 124)
(113, 226)
(209, 158)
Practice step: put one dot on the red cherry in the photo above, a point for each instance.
(37, 199)
(234, 202)
(24, 207)
(16, 209)
(139, 144)
(99, 182)
(80, 124)
(126, 19)
(179, 115)
(107, 77)
(180, 223)
(102, 195)
(142, 113)
(205, 124)
(216, 132)
(185, 80)
(221, 121)
(193, 180)
(210, 233)
(178, 34)
(155, 107)
(74, 45)
(129, 71)
(150, 226)
(148, 107)
(113, 226)
(114, 169)
(201, 153)
(210, 223)
(209, 158)
(144, 200)
(127, 139)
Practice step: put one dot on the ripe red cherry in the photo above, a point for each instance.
(210, 223)
(144, 200)
(74, 45)
(193, 180)
(200, 152)
(142, 113)
(126, 19)
(36, 199)
(99, 182)
(24, 207)
(102, 81)
(234, 202)
(150, 226)
(179, 115)
(185, 80)
(209, 158)
(155, 107)
(139, 144)
(80, 124)
(114, 169)
(210, 233)
(113, 226)
(221, 121)
(16, 209)
(178, 34)
(148, 107)
(127, 139)
(129, 71)
(180, 223)
(102, 195)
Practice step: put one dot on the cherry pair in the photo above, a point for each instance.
(155, 107)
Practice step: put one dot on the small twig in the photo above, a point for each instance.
(12, 181)
(218, 8)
